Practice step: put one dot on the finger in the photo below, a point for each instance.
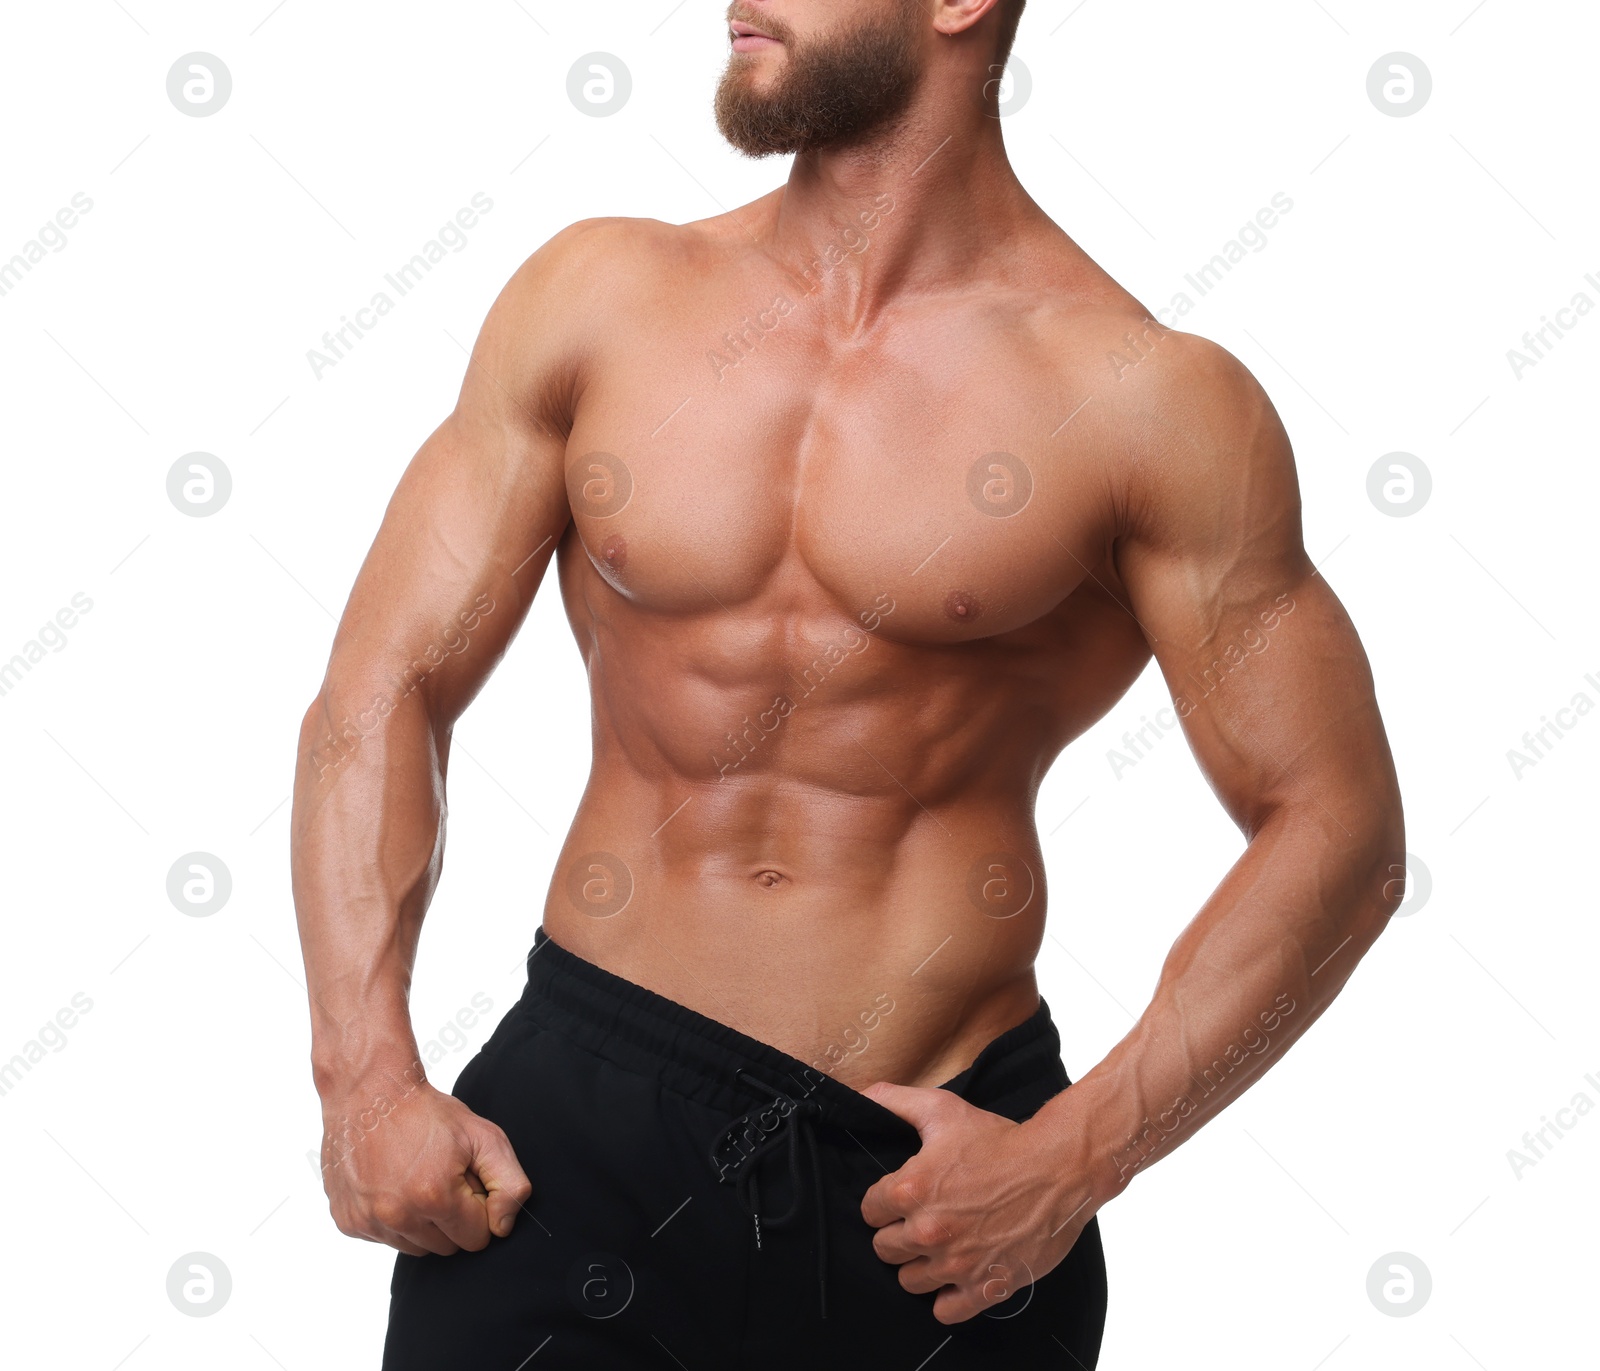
(460, 1214)
(415, 1236)
(917, 1277)
(387, 1238)
(880, 1205)
(406, 1223)
(429, 1241)
(924, 1109)
(955, 1305)
(892, 1244)
(418, 1226)
(496, 1165)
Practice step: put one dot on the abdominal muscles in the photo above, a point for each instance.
(818, 834)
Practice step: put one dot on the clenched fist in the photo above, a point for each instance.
(422, 1174)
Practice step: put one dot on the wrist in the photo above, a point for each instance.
(366, 1062)
(353, 1109)
(1079, 1131)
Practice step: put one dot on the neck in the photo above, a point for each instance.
(918, 207)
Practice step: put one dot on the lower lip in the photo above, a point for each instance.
(754, 42)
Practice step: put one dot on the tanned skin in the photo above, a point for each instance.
(760, 449)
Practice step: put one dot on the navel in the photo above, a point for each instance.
(962, 606)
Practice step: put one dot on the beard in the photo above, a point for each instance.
(834, 90)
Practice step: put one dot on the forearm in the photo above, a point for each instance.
(366, 846)
(1264, 958)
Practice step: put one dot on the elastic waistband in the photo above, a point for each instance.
(710, 1062)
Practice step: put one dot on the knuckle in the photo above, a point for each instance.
(426, 1196)
(908, 1192)
(388, 1212)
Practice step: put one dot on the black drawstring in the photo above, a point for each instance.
(795, 1124)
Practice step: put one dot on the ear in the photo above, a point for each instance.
(959, 16)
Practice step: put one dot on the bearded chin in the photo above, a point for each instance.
(833, 92)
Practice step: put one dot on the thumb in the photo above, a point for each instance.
(924, 1109)
(503, 1178)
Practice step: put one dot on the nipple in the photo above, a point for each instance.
(962, 607)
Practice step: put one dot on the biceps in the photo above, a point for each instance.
(1277, 702)
(463, 546)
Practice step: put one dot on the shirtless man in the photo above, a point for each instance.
(866, 499)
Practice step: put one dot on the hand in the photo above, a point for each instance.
(983, 1210)
(424, 1174)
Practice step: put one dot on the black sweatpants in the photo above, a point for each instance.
(696, 1204)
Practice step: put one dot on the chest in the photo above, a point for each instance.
(754, 466)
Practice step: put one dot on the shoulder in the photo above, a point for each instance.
(589, 260)
(1201, 444)
(555, 315)
(1101, 339)
(1173, 421)
(597, 274)
(1176, 380)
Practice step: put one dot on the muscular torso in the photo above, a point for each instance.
(844, 590)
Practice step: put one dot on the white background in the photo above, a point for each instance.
(179, 1113)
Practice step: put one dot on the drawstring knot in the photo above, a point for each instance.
(738, 1150)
